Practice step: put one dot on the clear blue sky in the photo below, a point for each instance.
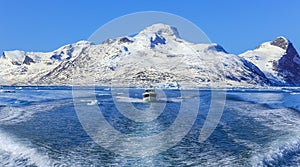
(237, 25)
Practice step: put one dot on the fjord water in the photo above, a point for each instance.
(39, 127)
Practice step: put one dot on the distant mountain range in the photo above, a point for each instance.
(156, 56)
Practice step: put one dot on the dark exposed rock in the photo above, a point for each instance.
(125, 40)
(281, 42)
(55, 57)
(16, 63)
(289, 65)
(153, 76)
(217, 48)
(157, 40)
(28, 60)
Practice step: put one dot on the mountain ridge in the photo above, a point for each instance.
(278, 59)
(155, 56)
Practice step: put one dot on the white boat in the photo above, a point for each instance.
(149, 95)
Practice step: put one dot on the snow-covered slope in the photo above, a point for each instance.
(19, 67)
(278, 60)
(155, 56)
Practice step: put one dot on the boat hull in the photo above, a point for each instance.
(149, 99)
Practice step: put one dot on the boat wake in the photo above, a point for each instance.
(10, 115)
(16, 153)
(277, 155)
(256, 129)
(271, 112)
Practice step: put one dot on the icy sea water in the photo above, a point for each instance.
(39, 127)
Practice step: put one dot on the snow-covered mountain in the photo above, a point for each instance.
(19, 67)
(155, 56)
(278, 60)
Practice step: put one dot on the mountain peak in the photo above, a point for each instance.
(278, 59)
(281, 42)
(161, 30)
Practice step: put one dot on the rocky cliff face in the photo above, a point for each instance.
(289, 66)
